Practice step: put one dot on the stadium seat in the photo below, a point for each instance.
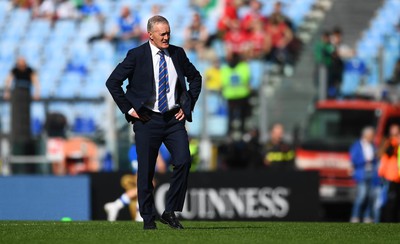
(103, 51)
(8, 50)
(70, 85)
(31, 50)
(83, 126)
(355, 70)
(5, 112)
(64, 29)
(257, 72)
(89, 28)
(38, 30)
(38, 118)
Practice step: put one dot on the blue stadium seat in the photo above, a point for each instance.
(103, 51)
(79, 55)
(4, 7)
(84, 121)
(38, 118)
(64, 29)
(89, 28)
(8, 51)
(49, 81)
(31, 50)
(69, 86)
(355, 69)
(351, 81)
(38, 30)
(5, 111)
(373, 69)
(257, 72)
(83, 126)
(107, 7)
(19, 18)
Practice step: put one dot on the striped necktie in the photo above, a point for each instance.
(163, 86)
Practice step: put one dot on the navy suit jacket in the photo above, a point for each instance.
(137, 67)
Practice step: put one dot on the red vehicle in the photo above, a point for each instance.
(330, 131)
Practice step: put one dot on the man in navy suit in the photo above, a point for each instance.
(157, 102)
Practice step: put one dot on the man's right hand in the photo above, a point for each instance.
(134, 114)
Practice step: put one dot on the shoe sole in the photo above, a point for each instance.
(166, 223)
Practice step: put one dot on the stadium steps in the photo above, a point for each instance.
(290, 101)
(352, 17)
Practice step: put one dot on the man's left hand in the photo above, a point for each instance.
(180, 115)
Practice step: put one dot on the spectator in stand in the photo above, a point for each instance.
(323, 55)
(281, 36)
(128, 25)
(228, 17)
(125, 33)
(196, 36)
(236, 90)
(339, 53)
(254, 16)
(323, 50)
(213, 76)
(66, 10)
(260, 44)
(364, 157)
(21, 79)
(277, 13)
(389, 170)
(236, 41)
(46, 10)
(278, 153)
(25, 4)
(343, 50)
(90, 9)
(155, 10)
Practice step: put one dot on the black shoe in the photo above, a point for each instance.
(150, 226)
(170, 219)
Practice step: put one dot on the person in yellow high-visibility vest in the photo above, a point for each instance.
(235, 76)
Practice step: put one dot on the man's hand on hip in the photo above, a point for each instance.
(180, 115)
(134, 114)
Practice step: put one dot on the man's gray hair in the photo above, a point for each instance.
(155, 20)
(367, 130)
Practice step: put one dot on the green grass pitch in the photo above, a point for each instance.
(196, 232)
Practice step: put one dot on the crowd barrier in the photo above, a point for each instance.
(44, 198)
(227, 195)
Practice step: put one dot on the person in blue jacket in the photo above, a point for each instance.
(363, 154)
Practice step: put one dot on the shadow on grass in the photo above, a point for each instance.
(224, 227)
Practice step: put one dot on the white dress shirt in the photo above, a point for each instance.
(152, 103)
(368, 151)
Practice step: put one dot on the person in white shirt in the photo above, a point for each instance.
(363, 154)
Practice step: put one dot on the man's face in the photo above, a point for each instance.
(277, 133)
(394, 130)
(159, 35)
(369, 136)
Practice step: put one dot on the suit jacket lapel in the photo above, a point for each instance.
(174, 58)
(148, 59)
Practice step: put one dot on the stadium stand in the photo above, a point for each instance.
(66, 62)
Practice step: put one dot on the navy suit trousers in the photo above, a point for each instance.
(149, 136)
